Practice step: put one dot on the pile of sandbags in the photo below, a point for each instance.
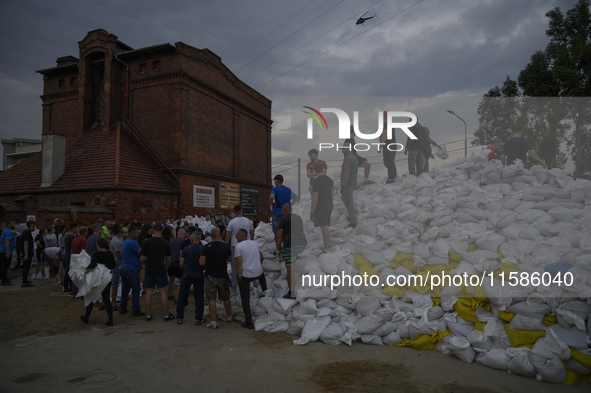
(474, 218)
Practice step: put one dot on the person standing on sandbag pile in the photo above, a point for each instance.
(215, 257)
(237, 223)
(415, 148)
(428, 153)
(155, 255)
(349, 178)
(322, 197)
(313, 154)
(105, 257)
(494, 147)
(389, 156)
(517, 147)
(248, 264)
(192, 276)
(280, 195)
(363, 163)
(291, 234)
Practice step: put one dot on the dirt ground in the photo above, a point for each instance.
(44, 348)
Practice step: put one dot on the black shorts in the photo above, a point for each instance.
(53, 269)
(361, 160)
(322, 217)
(175, 271)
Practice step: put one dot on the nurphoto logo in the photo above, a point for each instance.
(345, 128)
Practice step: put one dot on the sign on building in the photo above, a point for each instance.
(249, 200)
(203, 196)
(229, 195)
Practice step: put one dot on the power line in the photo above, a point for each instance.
(291, 35)
(286, 169)
(309, 42)
(301, 9)
(287, 163)
(334, 47)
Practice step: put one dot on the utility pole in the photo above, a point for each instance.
(299, 179)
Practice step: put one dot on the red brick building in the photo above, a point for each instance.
(134, 132)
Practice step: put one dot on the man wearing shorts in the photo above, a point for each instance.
(215, 257)
(51, 256)
(248, 262)
(291, 234)
(322, 203)
(237, 223)
(155, 255)
(174, 270)
(349, 178)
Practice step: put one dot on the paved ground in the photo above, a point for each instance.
(45, 348)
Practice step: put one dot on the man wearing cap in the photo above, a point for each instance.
(349, 178)
(313, 154)
(155, 255)
(280, 195)
(494, 147)
(517, 147)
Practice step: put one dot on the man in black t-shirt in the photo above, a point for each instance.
(518, 147)
(28, 243)
(290, 232)
(155, 255)
(215, 256)
(322, 196)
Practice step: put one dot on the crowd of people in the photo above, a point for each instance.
(143, 259)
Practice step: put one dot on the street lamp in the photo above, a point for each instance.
(465, 133)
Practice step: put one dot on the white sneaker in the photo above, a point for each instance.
(33, 276)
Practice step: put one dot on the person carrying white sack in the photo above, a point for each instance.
(105, 257)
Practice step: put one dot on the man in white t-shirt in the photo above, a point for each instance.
(248, 265)
(237, 223)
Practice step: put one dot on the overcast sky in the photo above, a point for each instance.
(436, 48)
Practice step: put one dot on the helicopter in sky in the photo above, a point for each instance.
(362, 20)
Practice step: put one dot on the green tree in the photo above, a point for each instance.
(563, 69)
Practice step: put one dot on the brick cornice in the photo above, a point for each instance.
(61, 96)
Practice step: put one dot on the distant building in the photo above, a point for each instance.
(18, 149)
(154, 133)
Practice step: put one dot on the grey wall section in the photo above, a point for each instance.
(53, 158)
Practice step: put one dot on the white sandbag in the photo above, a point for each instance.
(478, 340)
(392, 339)
(460, 348)
(520, 365)
(369, 324)
(332, 334)
(271, 265)
(286, 304)
(521, 322)
(309, 306)
(386, 328)
(279, 326)
(577, 367)
(495, 358)
(490, 242)
(402, 330)
(367, 306)
(531, 311)
(263, 322)
(475, 256)
(574, 337)
(548, 370)
(296, 326)
(314, 328)
(460, 329)
(371, 339)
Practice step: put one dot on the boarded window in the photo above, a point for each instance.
(97, 201)
(156, 66)
(142, 68)
(73, 81)
(62, 83)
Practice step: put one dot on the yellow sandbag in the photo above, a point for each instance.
(571, 377)
(480, 326)
(436, 300)
(360, 260)
(422, 342)
(414, 284)
(438, 336)
(506, 316)
(501, 257)
(472, 247)
(521, 338)
(549, 320)
(481, 297)
(436, 292)
(369, 270)
(466, 308)
(580, 357)
(409, 264)
(455, 257)
(400, 257)
(394, 291)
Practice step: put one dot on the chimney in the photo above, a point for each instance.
(53, 158)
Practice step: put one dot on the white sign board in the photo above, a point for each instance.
(203, 196)
(31, 218)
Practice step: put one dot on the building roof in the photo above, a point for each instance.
(94, 160)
